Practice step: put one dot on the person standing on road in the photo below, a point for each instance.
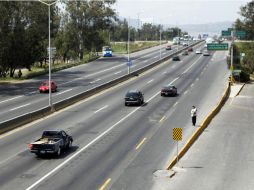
(194, 115)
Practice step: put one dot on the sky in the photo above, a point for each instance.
(180, 12)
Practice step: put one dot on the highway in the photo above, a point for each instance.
(19, 99)
(115, 146)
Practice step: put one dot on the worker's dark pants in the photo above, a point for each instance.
(194, 120)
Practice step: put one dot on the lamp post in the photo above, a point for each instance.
(160, 42)
(129, 46)
(49, 52)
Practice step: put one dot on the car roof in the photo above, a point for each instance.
(168, 86)
(133, 91)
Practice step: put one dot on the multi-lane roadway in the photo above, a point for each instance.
(115, 146)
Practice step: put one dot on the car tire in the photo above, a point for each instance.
(69, 145)
(58, 153)
(125, 104)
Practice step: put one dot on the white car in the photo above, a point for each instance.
(198, 51)
(206, 53)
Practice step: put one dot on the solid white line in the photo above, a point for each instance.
(150, 81)
(173, 81)
(155, 56)
(145, 61)
(19, 107)
(101, 109)
(191, 65)
(63, 91)
(10, 99)
(117, 72)
(89, 144)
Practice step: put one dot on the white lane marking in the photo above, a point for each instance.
(134, 66)
(101, 109)
(164, 53)
(89, 144)
(111, 68)
(11, 99)
(150, 81)
(95, 81)
(34, 92)
(192, 84)
(185, 92)
(155, 56)
(165, 72)
(145, 61)
(175, 104)
(117, 72)
(20, 107)
(191, 65)
(63, 91)
(197, 79)
(173, 81)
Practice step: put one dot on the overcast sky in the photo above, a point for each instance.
(180, 11)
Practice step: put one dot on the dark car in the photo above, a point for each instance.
(168, 47)
(51, 142)
(190, 49)
(135, 97)
(44, 87)
(169, 90)
(176, 58)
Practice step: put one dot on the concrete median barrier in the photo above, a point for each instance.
(202, 127)
(32, 116)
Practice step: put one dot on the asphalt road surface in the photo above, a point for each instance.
(115, 146)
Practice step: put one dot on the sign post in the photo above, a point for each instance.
(177, 136)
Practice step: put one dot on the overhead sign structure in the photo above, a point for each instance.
(129, 63)
(221, 46)
(240, 34)
(225, 33)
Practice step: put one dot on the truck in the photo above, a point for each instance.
(51, 142)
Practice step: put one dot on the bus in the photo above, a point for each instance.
(106, 51)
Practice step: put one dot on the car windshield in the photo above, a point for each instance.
(45, 84)
(132, 94)
(168, 87)
(51, 134)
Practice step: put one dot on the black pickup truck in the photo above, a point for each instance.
(51, 142)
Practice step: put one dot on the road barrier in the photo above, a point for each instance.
(34, 115)
(202, 127)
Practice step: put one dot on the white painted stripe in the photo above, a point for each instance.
(197, 79)
(173, 81)
(19, 107)
(117, 72)
(89, 144)
(164, 53)
(101, 109)
(175, 104)
(191, 65)
(155, 56)
(34, 92)
(95, 80)
(63, 91)
(165, 72)
(192, 84)
(134, 66)
(145, 61)
(10, 99)
(185, 92)
(150, 81)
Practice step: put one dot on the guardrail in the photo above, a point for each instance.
(34, 115)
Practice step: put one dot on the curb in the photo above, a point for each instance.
(202, 127)
(240, 89)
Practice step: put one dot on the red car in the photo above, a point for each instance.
(45, 87)
(168, 47)
(190, 49)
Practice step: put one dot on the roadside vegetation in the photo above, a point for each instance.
(244, 49)
(79, 29)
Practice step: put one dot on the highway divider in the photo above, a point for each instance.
(34, 115)
(202, 127)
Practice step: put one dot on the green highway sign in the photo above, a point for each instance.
(225, 33)
(212, 46)
(240, 34)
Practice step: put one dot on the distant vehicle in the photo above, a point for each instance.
(51, 142)
(168, 47)
(190, 49)
(206, 53)
(198, 51)
(176, 58)
(185, 44)
(168, 90)
(106, 51)
(185, 52)
(44, 87)
(135, 97)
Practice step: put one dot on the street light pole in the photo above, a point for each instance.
(49, 52)
(129, 46)
(160, 42)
